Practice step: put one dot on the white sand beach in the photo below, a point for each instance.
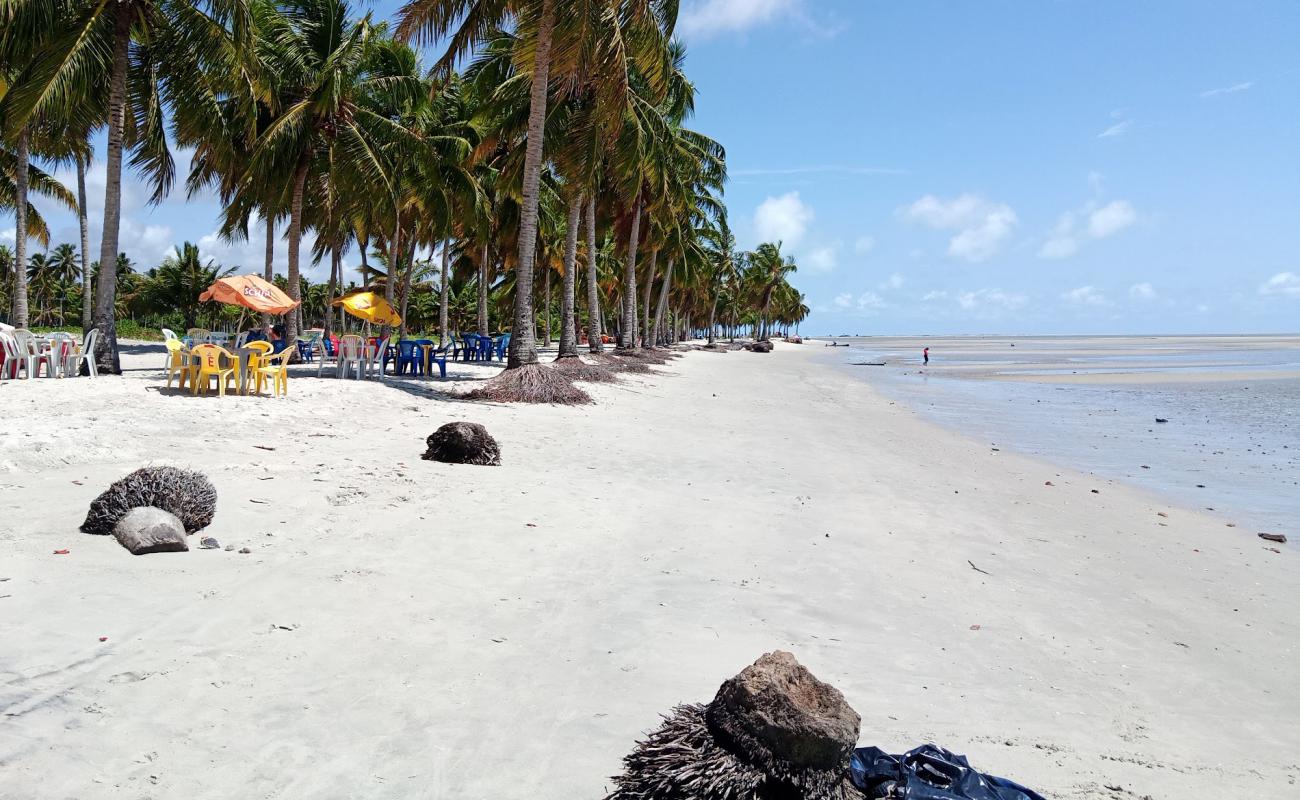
(409, 629)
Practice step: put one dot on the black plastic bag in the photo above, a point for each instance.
(929, 772)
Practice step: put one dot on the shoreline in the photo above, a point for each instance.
(400, 623)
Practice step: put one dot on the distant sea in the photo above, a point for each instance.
(1231, 442)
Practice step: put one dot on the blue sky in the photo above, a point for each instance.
(990, 166)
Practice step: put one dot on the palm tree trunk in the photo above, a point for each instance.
(336, 268)
(295, 242)
(629, 282)
(483, 294)
(106, 357)
(21, 310)
(406, 287)
(713, 317)
(523, 341)
(594, 343)
(268, 261)
(87, 307)
(546, 335)
(394, 259)
(568, 322)
(442, 296)
(662, 307)
(647, 335)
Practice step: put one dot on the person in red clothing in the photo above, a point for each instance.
(926, 355)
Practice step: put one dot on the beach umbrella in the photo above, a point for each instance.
(251, 292)
(369, 307)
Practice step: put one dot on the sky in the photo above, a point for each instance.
(976, 166)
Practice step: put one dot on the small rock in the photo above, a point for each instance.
(150, 530)
(1095, 491)
(1161, 514)
(245, 550)
(1273, 537)
(209, 543)
(229, 548)
(1048, 483)
(1161, 419)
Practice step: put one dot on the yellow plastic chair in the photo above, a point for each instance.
(256, 360)
(179, 365)
(210, 364)
(275, 368)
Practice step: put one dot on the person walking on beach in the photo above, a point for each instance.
(925, 354)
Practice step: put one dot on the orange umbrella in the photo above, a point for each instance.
(252, 292)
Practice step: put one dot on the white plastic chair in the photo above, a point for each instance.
(14, 359)
(168, 335)
(61, 345)
(30, 350)
(352, 353)
(375, 361)
(72, 363)
(241, 339)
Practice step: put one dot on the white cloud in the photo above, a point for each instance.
(864, 245)
(1087, 296)
(870, 301)
(710, 17)
(1069, 233)
(843, 300)
(1110, 219)
(1142, 291)
(1283, 283)
(1118, 129)
(1238, 87)
(982, 226)
(821, 259)
(894, 281)
(931, 296)
(1063, 241)
(9, 235)
(984, 298)
(784, 219)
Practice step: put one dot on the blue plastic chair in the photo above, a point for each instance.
(409, 356)
(306, 352)
(485, 348)
(503, 344)
(471, 350)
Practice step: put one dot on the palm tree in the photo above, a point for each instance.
(770, 269)
(155, 53)
(65, 269)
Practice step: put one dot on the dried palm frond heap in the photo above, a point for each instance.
(184, 493)
(630, 366)
(773, 732)
(463, 443)
(648, 356)
(531, 383)
(578, 370)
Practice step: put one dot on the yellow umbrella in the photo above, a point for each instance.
(370, 307)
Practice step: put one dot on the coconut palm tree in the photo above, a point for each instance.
(769, 269)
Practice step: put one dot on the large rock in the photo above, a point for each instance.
(777, 711)
(773, 732)
(182, 492)
(150, 530)
(759, 347)
(463, 443)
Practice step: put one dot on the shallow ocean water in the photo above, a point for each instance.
(1231, 445)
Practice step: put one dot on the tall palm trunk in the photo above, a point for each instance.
(594, 343)
(106, 357)
(628, 341)
(483, 294)
(523, 342)
(295, 242)
(336, 268)
(546, 316)
(647, 337)
(87, 307)
(662, 306)
(268, 260)
(568, 322)
(442, 296)
(20, 233)
(713, 317)
(394, 260)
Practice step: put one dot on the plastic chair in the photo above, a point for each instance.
(210, 366)
(470, 348)
(439, 356)
(276, 369)
(62, 345)
(82, 355)
(352, 353)
(178, 364)
(410, 356)
(380, 357)
(485, 348)
(242, 339)
(14, 359)
(259, 356)
(30, 350)
(198, 335)
(503, 344)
